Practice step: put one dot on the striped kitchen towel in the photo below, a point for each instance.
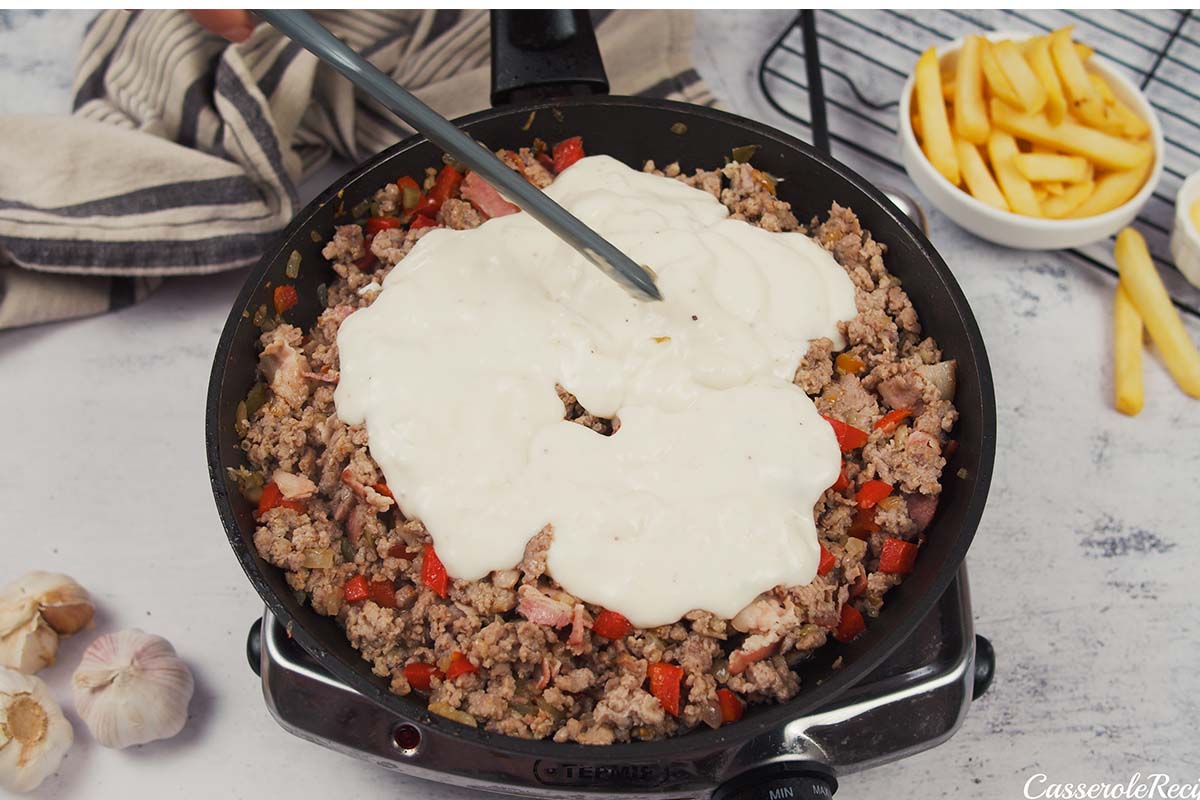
(184, 152)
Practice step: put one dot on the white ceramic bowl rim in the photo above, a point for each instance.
(1107, 70)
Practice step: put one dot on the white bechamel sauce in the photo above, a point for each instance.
(704, 497)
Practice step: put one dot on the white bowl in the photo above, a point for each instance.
(1185, 239)
(1016, 230)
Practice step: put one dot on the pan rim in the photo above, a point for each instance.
(697, 741)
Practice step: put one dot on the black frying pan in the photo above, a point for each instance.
(631, 129)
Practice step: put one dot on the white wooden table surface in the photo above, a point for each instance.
(1083, 571)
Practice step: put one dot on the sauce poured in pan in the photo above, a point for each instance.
(703, 497)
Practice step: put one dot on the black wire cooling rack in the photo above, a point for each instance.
(846, 95)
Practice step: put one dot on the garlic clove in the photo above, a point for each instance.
(34, 611)
(34, 734)
(30, 647)
(131, 688)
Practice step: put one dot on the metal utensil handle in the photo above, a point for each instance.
(301, 27)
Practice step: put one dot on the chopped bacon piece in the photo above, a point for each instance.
(537, 607)
(580, 621)
(485, 198)
(293, 487)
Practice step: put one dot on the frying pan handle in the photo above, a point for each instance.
(544, 53)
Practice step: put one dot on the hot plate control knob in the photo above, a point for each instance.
(785, 780)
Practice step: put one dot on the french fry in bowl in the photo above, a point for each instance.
(978, 177)
(970, 114)
(1078, 149)
(935, 124)
(1025, 83)
(1102, 149)
(1041, 167)
(1002, 150)
(1112, 191)
(1038, 53)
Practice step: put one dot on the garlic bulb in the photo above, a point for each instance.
(131, 688)
(34, 734)
(34, 611)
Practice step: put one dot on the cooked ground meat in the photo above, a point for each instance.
(514, 651)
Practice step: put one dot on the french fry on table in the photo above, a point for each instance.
(1039, 167)
(937, 142)
(1112, 189)
(995, 77)
(1038, 53)
(977, 177)
(1129, 396)
(1020, 76)
(1071, 198)
(1148, 295)
(1110, 152)
(970, 113)
(1017, 190)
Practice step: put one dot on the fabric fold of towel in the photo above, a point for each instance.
(184, 152)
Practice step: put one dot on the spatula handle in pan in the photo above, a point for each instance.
(305, 30)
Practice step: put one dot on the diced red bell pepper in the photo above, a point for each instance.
(383, 489)
(433, 574)
(850, 625)
(842, 483)
(871, 492)
(383, 593)
(827, 563)
(848, 437)
(545, 160)
(664, 684)
(285, 298)
(567, 152)
(611, 625)
(459, 665)
(863, 524)
(273, 498)
(377, 224)
(444, 187)
(891, 420)
(419, 674)
(421, 221)
(356, 589)
(732, 707)
(446, 183)
(897, 556)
